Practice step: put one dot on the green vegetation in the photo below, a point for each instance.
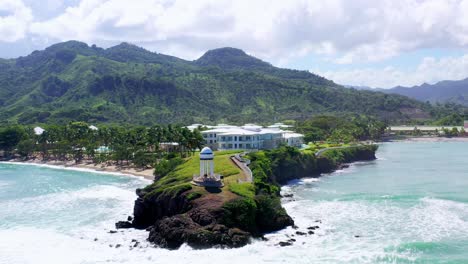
(240, 213)
(245, 189)
(129, 85)
(341, 129)
(137, 146)
(274, 167)
(182, 174)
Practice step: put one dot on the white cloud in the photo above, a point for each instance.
(347, 31)
(14, 20)
(430, 70)
(341, 31)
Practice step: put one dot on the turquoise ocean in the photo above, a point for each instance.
(408, 206)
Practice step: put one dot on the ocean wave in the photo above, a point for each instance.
(89, 170)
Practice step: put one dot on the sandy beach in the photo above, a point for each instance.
(146, 173)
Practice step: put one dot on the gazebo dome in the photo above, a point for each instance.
(206, 154)
(206, 151)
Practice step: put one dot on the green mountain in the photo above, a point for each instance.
(126, 83)
(441, 92)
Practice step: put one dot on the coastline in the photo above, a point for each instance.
(147, 174)
(429, 139)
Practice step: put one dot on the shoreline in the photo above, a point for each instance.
(428, 139)
(147, 174)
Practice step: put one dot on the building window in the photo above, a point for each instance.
(235, 138)
(248, 146)
(205, 135)
(235, 145)
(230, 146)
(240, 145)
(211, 141)
(223, 138)
(223, 146)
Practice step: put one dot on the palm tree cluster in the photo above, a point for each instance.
(78, 141)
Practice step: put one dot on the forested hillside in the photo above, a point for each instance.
(127, 84)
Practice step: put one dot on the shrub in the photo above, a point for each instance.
(240, 213)
(165, 166)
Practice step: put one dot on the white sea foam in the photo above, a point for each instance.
(61, 227)
(62, 167)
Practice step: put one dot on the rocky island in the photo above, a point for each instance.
(175, 211)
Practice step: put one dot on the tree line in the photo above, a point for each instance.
(341, 129)
(78, 141)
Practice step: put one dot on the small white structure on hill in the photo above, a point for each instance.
(206, 162)
(38, 131)
(207, 176)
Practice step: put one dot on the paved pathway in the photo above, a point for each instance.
(243, 166)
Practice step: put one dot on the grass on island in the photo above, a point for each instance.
(245, 189)
(178, 180)
(314, 147)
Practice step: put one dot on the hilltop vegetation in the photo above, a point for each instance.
(72, 81)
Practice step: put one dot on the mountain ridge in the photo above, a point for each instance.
(128, 84)
(445, 91)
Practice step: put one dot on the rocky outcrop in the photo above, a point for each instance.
(206, 222)
(175, 215)
(199, 229)
(148, 209)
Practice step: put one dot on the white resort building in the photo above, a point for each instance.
(250, 137)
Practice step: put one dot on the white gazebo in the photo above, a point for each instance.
(207, 177)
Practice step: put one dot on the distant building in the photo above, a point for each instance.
(250, 137)
(466, 124)
(38, 131)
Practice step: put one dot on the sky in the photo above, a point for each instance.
(381, 43)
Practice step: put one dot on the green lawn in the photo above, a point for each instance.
(179, 179)
(314, 147)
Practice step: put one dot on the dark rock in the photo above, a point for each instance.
(147, 210)
(285, 243)
(300, 233)
(134, 240)
(117, 246)
(95, 239)
(357, 236)
(172, 232)
(310, 232)
(202, 217)
(313, 227)
(318, 221)
(110, 245)
(112, 231)
(123, 224)
(292, 240)
(295, 227)
(288, 195)
(129, 218)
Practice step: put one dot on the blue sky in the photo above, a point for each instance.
(361, 42)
